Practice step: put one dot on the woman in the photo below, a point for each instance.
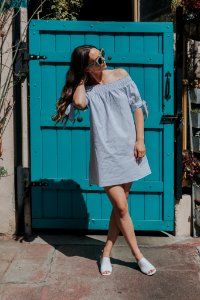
(117, 150)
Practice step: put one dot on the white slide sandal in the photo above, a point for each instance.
(105, 265)
(146, 266)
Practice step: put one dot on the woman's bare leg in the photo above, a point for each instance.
(114, 230)
(117, 196)
(113, 233)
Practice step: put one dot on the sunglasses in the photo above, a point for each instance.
(100, 59)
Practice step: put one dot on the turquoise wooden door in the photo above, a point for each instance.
(61, 194)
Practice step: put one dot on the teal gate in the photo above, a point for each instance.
(61, 196)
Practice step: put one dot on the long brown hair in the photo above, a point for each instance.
(76, 72)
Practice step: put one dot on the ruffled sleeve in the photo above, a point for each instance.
(70, 110)
(134, 97)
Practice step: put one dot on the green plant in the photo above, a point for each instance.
(65, 9)
(61, 9)
(3, 172)
(175, 4)
(196, 110)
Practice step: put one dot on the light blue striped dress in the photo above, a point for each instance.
(113, 133)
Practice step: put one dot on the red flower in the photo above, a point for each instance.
(191, 5)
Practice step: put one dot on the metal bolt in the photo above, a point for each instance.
(80, 119)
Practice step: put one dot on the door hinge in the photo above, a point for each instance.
(39, 183)
(21, 66)
(27, 56)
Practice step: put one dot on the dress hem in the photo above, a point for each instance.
(124, 181)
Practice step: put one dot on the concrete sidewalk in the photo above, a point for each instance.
(66, 267)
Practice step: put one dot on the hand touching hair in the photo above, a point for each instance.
(75, 74)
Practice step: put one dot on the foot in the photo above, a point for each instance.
(105, 265)
(146, 267)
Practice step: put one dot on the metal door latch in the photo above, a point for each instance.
(172, 119)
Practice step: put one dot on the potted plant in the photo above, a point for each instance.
(191, 173)
(191, 166)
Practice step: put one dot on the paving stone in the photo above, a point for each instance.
(48, 269)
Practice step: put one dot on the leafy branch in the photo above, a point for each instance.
(60, 9)
(7, 60)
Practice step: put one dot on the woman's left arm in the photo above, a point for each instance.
(139, 148)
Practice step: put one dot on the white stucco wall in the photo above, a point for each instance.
(7, 185)
(7, 190)
(183, 216)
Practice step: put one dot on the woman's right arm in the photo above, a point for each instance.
(79, 96)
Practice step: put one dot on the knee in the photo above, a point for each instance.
(122, 210)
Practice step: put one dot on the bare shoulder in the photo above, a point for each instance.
(115, 74)
(120, 73)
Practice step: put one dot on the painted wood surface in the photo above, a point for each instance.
(60, 156)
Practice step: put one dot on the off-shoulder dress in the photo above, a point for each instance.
(113, 132)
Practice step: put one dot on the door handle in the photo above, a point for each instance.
(167, 86)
